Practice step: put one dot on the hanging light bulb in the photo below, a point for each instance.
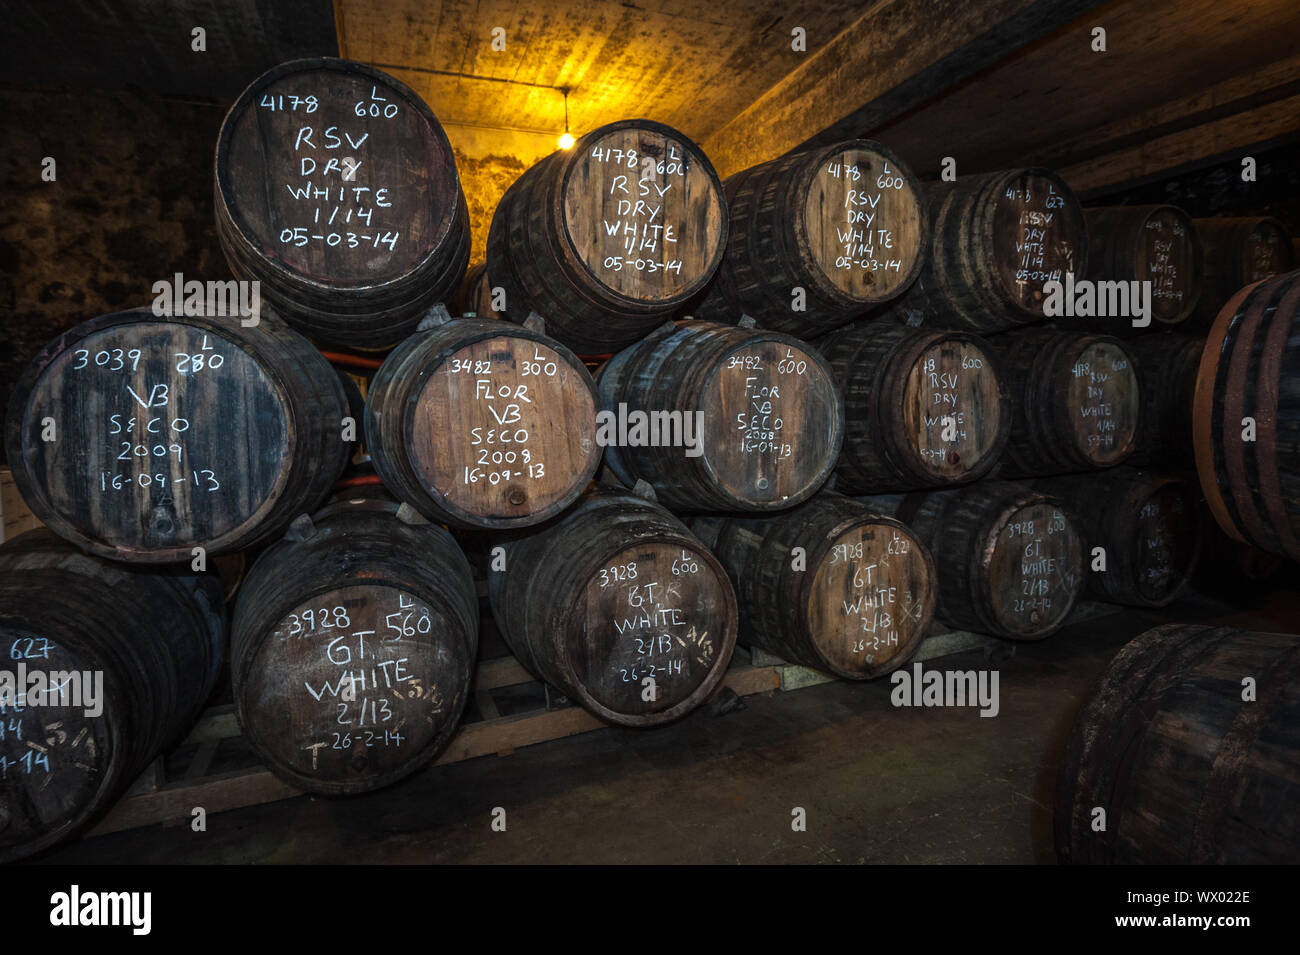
(566, 138)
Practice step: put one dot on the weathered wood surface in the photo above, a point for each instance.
(1187, 769)
(1149, 525)
(352, 647)
(1156, 244)
(763, 407)
(1169, 65)
(157, 639)
(996, 240)
(15, 516)
(894, 57)
(497, 736)
(922, 408)
(336, 188)
(606, 240)
(615, 593)
(817, 238)
(139, 438)
(858, 605)
(1075, 402)
(481, 423)
(1194, 142)
(1010, 560)
(475, 296)
(1250, 369)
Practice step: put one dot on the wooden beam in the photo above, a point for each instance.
(252, 787)
(1241, 94)
(1057, 102)
(1190, 148)
(895, 56)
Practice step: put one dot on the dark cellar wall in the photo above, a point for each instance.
(132, 204)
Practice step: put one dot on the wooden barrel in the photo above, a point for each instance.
(1010, 559)
(996, 240)
(763, 409)
(606, 240)
(481, 423)
(1239, 252)
(1149, 525)
(156, 638)
(140, 438)
(352, 647)
(1186, 769)
(1074, 398)
(922, 408)
(1166, 369)
(1156, 244)
(845, 223)
(475, 296)
(857, 605)
(336, 188)
(619, 607)
(1251, 369)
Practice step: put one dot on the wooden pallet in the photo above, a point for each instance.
(155, 798)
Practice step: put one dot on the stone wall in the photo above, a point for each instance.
(131, 204)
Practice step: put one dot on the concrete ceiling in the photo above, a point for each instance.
(687, 63)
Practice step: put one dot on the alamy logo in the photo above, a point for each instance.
(946, 688)
(23, 688)
(655, 429)
(215, 299)
(75, 907)
(1088, 299)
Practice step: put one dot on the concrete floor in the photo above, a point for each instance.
(879, 784)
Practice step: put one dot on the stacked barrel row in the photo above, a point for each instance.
(826, 412)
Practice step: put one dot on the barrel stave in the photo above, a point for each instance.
(858, 604)
(452, 399)
(378, 156)
(795, 224)
(1149, 525)
(583, 604)
(1075, 402)
(742, 382)
(1152, 243)
(1009, 559)
(551, 248)
(1186, 771)
(61, 609)
(996, 240)
(1248, 375)
(903, 389)
(356, 570)
(227, 432)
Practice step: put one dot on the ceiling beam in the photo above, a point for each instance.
(1199, 145)
(1238, 94)
(894, 57)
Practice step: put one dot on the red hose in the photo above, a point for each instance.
(337, 358)
(366, 480)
